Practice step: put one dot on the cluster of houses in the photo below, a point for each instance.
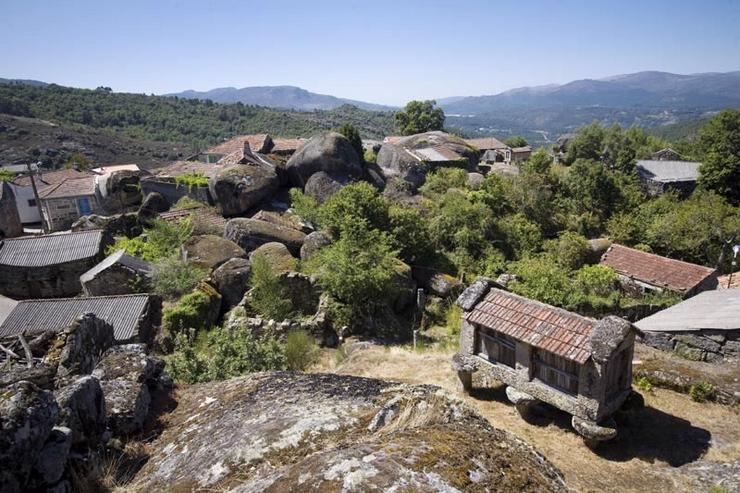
(543, 353)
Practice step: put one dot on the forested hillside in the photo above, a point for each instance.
(193, 122)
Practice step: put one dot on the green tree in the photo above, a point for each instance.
(522, 235)
(267, 296)
(418, 117)
(720, 141)
(441, 180)
(570, 250)
(587, 144)
(409, 234)
(516, 141)
(539, 162)
(353, 203)
(349, 131)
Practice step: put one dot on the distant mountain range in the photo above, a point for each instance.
(24, 82)
(285, 97)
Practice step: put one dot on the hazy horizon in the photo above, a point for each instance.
(379, 52)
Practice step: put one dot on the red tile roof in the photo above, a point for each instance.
(179, 168)
(46, 178)
(655, 270)
(77, 187)
(205, 215)
(258, 143)
(284, 146)
(542, 326)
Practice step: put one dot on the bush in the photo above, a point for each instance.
(570, 250)
(369, 156)
(349, 131)
(354, 203)
(542, 279)
(409, 234)
(443, 179)
(644, 383)
(357, 269)
(702, 392)
(267, 296)
(225, 353)
(301, 350)
(172, 277)
(194, 179)
(162, 240)
(304, 206)
(523, 236)
(459, 223)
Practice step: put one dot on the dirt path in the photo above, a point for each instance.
(675, 444)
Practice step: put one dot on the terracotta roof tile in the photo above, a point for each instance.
(543, 326)
(76, 187)
(258, 142)
(649, 268)
(46, 178)
(486, 143)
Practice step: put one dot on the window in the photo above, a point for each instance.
(556, 371)
(496, 347)
(31, 202)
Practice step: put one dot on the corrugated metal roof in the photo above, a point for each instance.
(717, 310)
(118, 257)
(538, 324)
(435, 154)
(6, 306)
(41, 251)
(34, 316)
(649, 268)
(668, 171)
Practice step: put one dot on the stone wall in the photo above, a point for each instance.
(116, 280)
(700, 345)
(10, 221)
(172, 192)
(655, 188)
(55, 281)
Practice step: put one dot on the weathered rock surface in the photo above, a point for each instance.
(475, 180)
(116, 225)
(473, 294)
(231, 279)
(125, 373)
(313, 243)
(27, 416)
(403, 287)
(251, 233)
(210, 251)
(595, 432)
(120, 190)
(302, 432)
(52, 460)
(82, 410)
(436, 283)
(153, 204)
(300, 289)
(80, 346)
(330, 152)
(322, 185)
(238, 188)
(277, 257)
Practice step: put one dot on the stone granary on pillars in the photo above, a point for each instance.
(640, 272)
(133, 317)
(543, 353)
(49, 266)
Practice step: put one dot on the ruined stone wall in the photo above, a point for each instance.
(172, 192)
(701, 345)
(115, 280)
(10, 221)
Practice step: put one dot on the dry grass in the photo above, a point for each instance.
(671, 432)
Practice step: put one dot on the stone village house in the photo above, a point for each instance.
(48, 266)
(23, 190)
(658, 177)
(543, 353)
(62, 204)
(640, 272)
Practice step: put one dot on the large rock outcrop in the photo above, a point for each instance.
(279, 432)
(120, 190)
(210, 251)
(251, 233)
(397, 163)
(330, 152)
(238, 188)
(232, 281)
(322, 185)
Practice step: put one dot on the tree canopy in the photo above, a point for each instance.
(720, 142)
(418, 117)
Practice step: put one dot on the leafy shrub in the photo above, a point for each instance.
(194, 179)
(349, 131)
(301, 350)
(6, 175)
(161, 240)
(172, 277)
(522, 235)
(357, 269)
(702, 392)
(443, 179)
(459, 223)
(644, 383)
(369, 156)
(354, 203)
(542, 279)
(226, 353)
(570, 250)
(409, 234)
(304, 206)
(267, 296)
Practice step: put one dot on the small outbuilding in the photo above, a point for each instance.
(49, 266)
(64, 203)
(641, 272)
(658, 177)
(705, 327)
(117, 274)
(133, 317)
(543, 353)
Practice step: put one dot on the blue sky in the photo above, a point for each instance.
(379, 51)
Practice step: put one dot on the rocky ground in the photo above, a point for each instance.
(25, 140)
(675, 444)
(307, 432)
